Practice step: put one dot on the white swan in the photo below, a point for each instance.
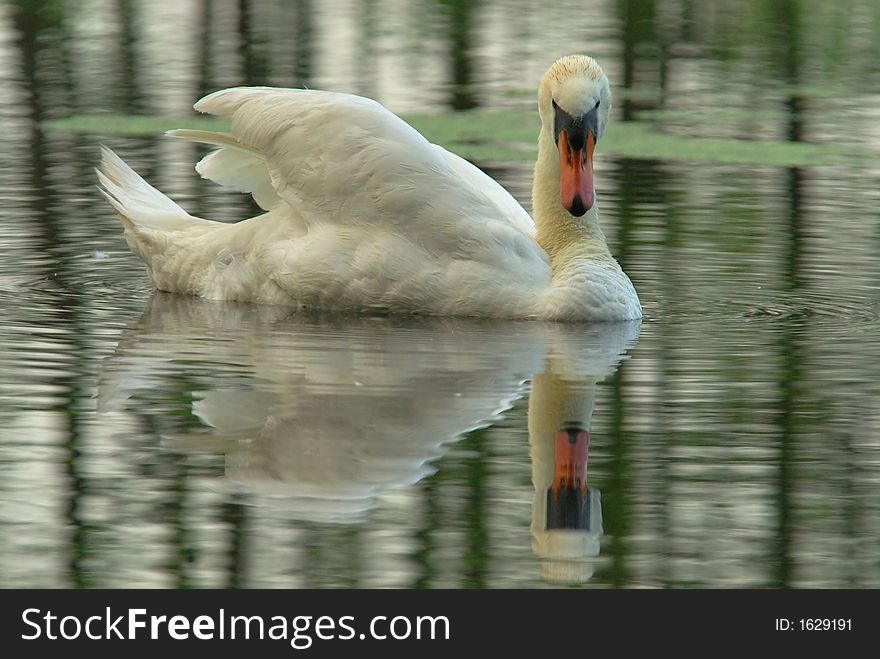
(364, 214)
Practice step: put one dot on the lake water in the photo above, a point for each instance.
(733, 436)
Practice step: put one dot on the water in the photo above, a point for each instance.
(152, 440)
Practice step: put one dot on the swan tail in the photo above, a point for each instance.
(233, 165)
(139, 204)
(147, 215)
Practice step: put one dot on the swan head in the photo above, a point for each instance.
(574, 100)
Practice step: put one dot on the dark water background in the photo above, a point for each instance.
(148, 440)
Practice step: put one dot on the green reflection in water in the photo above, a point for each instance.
(510, 136)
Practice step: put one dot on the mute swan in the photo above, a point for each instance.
(363, 214)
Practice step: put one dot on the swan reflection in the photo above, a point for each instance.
(332, 413)
(566, 512)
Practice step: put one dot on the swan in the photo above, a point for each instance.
(363, 214)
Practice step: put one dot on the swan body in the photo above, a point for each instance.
(363, 214)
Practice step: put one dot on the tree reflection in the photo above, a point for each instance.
(39, 31)
(130, 95)
(460, 26)
(641, 48)
(253, 62)
(304, 43)
(786, 46)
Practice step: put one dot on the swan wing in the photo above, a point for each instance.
(232, 165)
(382, 217)
(346, 159)
(244, 169)
(502, 199)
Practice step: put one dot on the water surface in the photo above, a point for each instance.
(734, 435)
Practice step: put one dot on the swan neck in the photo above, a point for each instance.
(558, 232)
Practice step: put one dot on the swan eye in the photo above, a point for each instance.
(597, 104)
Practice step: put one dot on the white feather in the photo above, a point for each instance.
(233, 165)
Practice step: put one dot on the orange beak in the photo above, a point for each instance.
(576, 174)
